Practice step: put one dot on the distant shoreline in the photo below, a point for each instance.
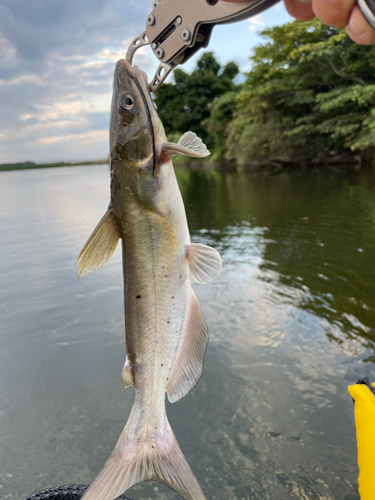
(28, 165)
(337, 163)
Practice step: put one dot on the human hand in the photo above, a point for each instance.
(335, 13)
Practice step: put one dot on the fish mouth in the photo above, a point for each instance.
(139, 77)
(124, 65)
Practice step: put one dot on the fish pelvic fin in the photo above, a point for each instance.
(188, 366)
(127, 374)
(189, 144)
(100, 246)
(134, 461)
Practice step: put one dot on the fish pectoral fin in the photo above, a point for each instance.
(188, 366)
(127, 374)
(189, 144)
(100, 246)
(204, 262)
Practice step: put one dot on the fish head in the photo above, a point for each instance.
(134, 122)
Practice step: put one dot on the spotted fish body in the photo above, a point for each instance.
(166, 336)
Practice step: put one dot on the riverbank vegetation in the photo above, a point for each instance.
(308, 100)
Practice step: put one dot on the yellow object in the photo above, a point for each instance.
(364, 411)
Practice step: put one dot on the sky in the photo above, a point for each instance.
(56, 65)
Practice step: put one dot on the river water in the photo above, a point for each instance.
(291, 322)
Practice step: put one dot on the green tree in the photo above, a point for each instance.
(221, 114)
(184, 105)
(310, 94)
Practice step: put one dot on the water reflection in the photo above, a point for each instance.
(312, 236)
(291, 322)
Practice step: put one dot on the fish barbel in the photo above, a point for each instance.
(166, 336)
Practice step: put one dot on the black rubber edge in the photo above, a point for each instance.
(66, 492)
(365, 381)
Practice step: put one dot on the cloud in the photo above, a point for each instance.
(87, 137)
(56, 65)
(255, 22)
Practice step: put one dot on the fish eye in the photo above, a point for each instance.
(126, 102)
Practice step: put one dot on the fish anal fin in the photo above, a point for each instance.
(204, 262)
(100, 246)
(189, 144)
(127, 374)
(132, 462)
(188, 366)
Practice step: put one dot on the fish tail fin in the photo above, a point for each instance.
(134, 461)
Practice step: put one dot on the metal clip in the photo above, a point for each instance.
(177, 29)
(161, 74)
(164, 68)
(368, 10)
(137, 43)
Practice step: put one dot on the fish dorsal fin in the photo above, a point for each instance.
(189, 144)
(188, 366)
(204, 262)
(100, 246)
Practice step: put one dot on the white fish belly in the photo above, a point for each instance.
(157, 288)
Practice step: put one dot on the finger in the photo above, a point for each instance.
(335, 13)
(359, 29)
(300, 9)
